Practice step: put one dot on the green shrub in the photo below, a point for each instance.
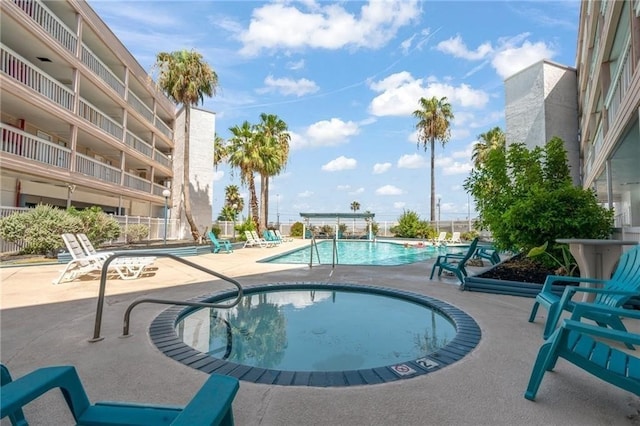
(216, 230)
(296, 229)
(469, 235)
(136, 232)
(411, 226)
(38, 230)
(97, 225)
(247, 225)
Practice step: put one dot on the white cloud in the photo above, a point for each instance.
(325, 133)
(513, 59)
(357, 191)
(305, 194)
(281, 25)
(399, 94)
(343, 187)
(448, 166)
(456, 47)
(287, 86)
(218, 175)
(380, 168)
(298, 65)
(412, 161)
(340, 163)
(399, 205)
(389, 190)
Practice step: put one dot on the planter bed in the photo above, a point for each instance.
(512, 288)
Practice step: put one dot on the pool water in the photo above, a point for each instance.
(364, 253)
(318, 330)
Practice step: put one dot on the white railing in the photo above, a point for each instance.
(26, 73)
(95, 116)
(136, 182)
(51, 24)
(603, 7)
(620, 87)
(25, 145)
(139, 106)
(101, 70)
(94, 168)
(138, 144)
(161, 158)
(158, 189)
(166, 130)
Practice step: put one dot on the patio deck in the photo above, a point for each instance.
(42, 324)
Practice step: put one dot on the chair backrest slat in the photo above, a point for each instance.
(625, 278)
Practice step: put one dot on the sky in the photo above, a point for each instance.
(346, 76)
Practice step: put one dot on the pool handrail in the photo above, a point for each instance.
(103, 284)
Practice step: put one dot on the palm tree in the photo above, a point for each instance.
(243, 154)
(232, 198)
(355, 206)
(185, 78)
(434, 119)
(274, 151)
(488, 141)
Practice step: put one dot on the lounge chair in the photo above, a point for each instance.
(262, 240)
(82, 264)
(455, 263)
(580, 344)
(615, 292)
(282, 238)
(88, 248)
(271, 238)
(217, 245)
(211, 405)
(455, 238)
(441, 238)
(487, 253)
(252, 241)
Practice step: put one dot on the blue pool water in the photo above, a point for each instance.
(364, 253)
(318, 330)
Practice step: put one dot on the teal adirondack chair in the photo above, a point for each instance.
(578, 343)
(615, 292)
(488, 253)
(455, 263)
(217, 245)
(210, 406)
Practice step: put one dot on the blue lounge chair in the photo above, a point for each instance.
(578, 343)
(615, 292)
(455, 263)
(488, 253)
(217, 245)
(210, 406)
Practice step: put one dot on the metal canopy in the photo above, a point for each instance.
(337, 215)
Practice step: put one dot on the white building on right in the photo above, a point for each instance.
(597, 114)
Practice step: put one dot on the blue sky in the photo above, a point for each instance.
(345, 76)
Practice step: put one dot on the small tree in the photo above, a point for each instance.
(526, 198)
(97, 225)
(296, 229)
(411, 226)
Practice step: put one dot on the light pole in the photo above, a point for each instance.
(278, 211)
(235, 213)
(166, 194)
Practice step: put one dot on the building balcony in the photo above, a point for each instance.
(50, 23)
(620, 86)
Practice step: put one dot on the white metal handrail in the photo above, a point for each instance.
(139, 106)
(136, 182)
(25, 145)
(94, 168)
(97, 117)
(138, 144)
(164, 129)
(50, 22)
(101, 70)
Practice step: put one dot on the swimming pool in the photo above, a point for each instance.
(381, 253)
(318, 334)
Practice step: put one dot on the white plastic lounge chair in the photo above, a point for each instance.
(441, 238)
(262, 240)
(89, 249)
(81, 264)
(279, 235)
(253, 241)
(455, 238)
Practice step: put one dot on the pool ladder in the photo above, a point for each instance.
(125, 328)
(334, 257)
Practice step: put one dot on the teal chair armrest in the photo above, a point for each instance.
(551, 279)
(212, 404)
(606, 333)
(581, 308)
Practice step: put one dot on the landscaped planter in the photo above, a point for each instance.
(512, 288)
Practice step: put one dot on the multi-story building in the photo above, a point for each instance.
(82, 123)
(606, 145)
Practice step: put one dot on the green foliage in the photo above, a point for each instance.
(97, 225)
(375, 228)
(296, 229)
(566, 266)
(411, 226)
(38, 230)
(136, 232)
(326, 229)
(469, 235)
(247, 225)
(216, 230)
(526, 198)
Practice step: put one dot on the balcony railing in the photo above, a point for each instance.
(101, 70)
(160, 125)
(140, 106)
(51, 24)
(158, 189)
(26, 73)
(96, 169)
(162, 159)
(620, 86)
(25, 145)
(136, 182)
(138, 144)
(95, 116)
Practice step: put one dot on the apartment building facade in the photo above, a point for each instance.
(82, 123)
(604, 143)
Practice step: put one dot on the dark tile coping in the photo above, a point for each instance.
(163, 334)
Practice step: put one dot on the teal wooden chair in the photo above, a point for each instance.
(615, 292)
(580, 344)
(16, 417)
(217, 245)
(454, 263)
(210, 406)
(488, 253)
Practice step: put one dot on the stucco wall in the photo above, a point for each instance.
(524, 107)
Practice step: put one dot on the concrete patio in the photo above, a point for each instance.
(43, 324)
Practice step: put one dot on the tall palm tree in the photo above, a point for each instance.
(434, 120)
(274, 151)
(355, 206)
(488, 141)
(243, 154)
(186, 78)
(232, 198)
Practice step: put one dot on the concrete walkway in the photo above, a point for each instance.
(42, 324)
